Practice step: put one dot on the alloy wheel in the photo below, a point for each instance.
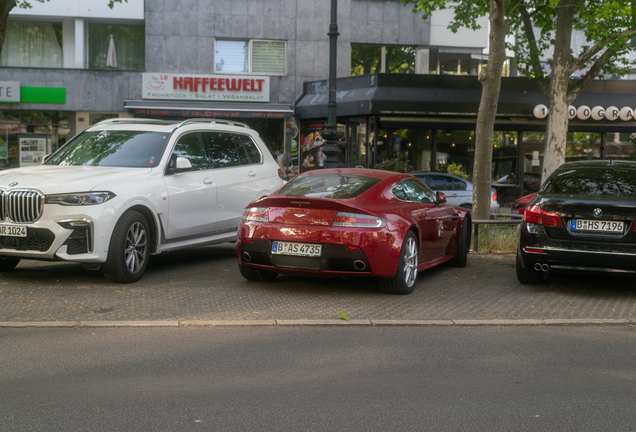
(136, 248)
(411, 262)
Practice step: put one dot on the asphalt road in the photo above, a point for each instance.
(204, 284)
(519, 378)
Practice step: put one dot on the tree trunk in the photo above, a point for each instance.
(491, 85)
(556, 136)
(5, 8)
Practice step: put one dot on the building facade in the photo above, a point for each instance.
(265, 63)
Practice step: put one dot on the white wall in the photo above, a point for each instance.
(442, 36)
(133, 9)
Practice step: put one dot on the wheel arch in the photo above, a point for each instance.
(152, 223)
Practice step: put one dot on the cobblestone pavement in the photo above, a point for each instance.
(204, 284)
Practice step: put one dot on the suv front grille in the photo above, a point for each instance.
(21, 205)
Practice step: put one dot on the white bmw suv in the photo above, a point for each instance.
(126, 189)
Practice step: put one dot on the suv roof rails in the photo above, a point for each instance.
(206, 120)
(134, 120)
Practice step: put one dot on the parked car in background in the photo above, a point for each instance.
(582, 218)
(520, 204)
(128, 188)
(352, 223)
(458, 191)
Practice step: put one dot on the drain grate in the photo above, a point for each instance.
(103, 310)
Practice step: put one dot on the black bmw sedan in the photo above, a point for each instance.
(582, 218)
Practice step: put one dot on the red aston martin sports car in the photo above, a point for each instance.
(352, 223)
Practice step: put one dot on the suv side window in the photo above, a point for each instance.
(439, 182)
(249, 146)
(459, 184)
(221, 149)
(190, 147)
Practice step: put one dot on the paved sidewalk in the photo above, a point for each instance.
(204, 287)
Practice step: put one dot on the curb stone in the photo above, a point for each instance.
(328, 322)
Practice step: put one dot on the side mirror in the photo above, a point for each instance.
(182, 165)
(441, 198)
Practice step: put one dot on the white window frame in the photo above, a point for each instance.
(250, 56)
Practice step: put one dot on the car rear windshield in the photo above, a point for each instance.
(132, 149)
(334, 186)
(593, 181)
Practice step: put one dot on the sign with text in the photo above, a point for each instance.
(229, 88)
(9, 92)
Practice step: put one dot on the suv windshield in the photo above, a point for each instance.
(133, 149)
(593, 181)
(334, 186)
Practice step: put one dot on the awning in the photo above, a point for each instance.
(190, 109)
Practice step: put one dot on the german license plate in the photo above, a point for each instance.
(299, 249)
(596, 225)
(13, 230)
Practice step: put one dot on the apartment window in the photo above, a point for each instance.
(130, 45)
(366, 59)
(250, 56)
(32, 44)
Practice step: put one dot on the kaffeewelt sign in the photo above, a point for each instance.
(229, 88)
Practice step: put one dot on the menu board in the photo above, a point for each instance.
(32, 151)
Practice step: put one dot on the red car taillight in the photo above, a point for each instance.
(494, 196)
(356, 220)
(535, 215)
(258, 214)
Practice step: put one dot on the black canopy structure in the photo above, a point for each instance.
(452, 102)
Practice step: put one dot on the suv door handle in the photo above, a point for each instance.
(251, 174)
(208, 181)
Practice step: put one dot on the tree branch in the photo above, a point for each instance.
(587, 55)
(596, 68)
(534, 51)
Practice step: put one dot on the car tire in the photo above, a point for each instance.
(129, 250)
(527, 275)
(406, 275)
(257, 275)
(8, 264)
(461, 255)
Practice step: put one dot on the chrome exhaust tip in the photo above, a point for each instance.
(247, 257)
(545, 267)
(359, 265)
(537, 266)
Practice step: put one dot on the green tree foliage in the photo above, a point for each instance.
(544, 52)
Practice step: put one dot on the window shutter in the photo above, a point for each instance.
(268, 57)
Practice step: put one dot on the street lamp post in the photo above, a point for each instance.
(331, 133)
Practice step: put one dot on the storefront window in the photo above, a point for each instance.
(504, 157)
(32, 44)
(583, 146)
(358, 143)
(312, 146)
(367, 59)
(129, 42)
(620, 146)
(25, 137)
(456, 147)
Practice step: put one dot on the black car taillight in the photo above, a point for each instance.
(535, 215)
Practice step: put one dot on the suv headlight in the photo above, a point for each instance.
(79, 199)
